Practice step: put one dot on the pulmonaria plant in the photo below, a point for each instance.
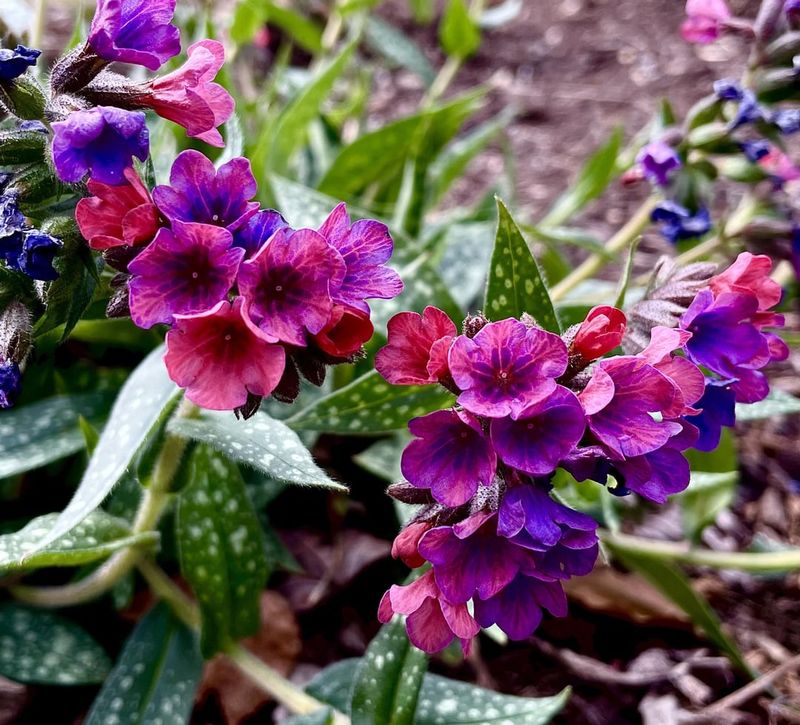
(498, 539)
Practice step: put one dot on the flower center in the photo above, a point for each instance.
(195, 275)
(279, 288)
(228, 337)
(215, 218)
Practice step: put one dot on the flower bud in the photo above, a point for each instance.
(405, 545)
(600, 332)
(23, 97)
(16, 332)
(76, 70)
(473, 324)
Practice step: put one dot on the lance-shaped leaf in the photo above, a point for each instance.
(221, 549)
(442, 700)
(262, 442)
(388, 679)
(370, 405)
(45, 431)
(515, 284)
(136, 412)
(397, 48)
(39, 647)
(155, 678)
(96, 537)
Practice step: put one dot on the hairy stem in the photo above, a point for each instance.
(593, 264)
(679, 552)
(154, 500)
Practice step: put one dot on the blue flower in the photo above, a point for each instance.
(37, 255)
(728, 90)
(787, 120)
(12, 225)
(676, 222)
(13, 63)
(10, 384)
(658, 160)
(755, 150)
(749, 109)
(718, 406)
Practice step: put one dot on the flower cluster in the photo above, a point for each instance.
(251, 302)
(106, 131)
(529, 402)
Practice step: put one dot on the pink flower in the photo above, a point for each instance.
(599, 333)
(432, 622)
(749, 275)
(417, 349)
(406, 544)
(220, 357)
(779, 166)
(345, 333)
(189, 97)
(115, 216)
(704, 20)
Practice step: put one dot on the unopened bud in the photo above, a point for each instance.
(473, 324)
(76, 70)
(406, 493)
(16, 332)
(406, 544)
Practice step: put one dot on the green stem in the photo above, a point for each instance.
(771, 561)
(589, 267)
(442, 81)
(272, 682)
(36, 35)
(154, 500)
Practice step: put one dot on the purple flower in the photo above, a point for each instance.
(365, 247)
(530, 517)
(658, 160)
(198, 192)
(787, 120)
(517, 609)
(718, 406)
(12, 225)
(37, 255)
(450, 455)
(756, 150)
(574, 555)
(676, 222)
(620, 400)
(101, 141)
(506, 367)
(728, 90)
(135, 31)
(288, 284)
(543, 433)
(10, 384)
(470, 559)
(186, 270)
(258, 229)
(13, 63)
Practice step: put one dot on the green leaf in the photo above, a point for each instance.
(155, 678)
(370, 405)
(96, 537)
(707, 495)
(592, 180)
(442, 700)
(625, 279)
(398, 48)
(261, 442)
(389, 679)
(136, 412)
(515, 283)
(452, 162)
(38, 647)
(45, 431)
(291, 129)
(382, 459)
(423, 10)
(379, 156)
(234, 140)
(776, 403)
(323, 716)
(221, 550)
(466, 250)
(671, 582)
(459, 33)
(306, 33)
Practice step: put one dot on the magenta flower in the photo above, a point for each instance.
(750, 274)
(506, 367)
(534, 520)
(189, 97)
(102, 141)
(288, 284)
(365, 247)
(221, 357)
(406, 544)
(135, 31)
(198, 192)
(432, 622)
(599, 333)
(620, 400)
(185, 270)
(470, 559)
(416, 353)
(345, 333)
(116, 216)
(705, 20)
(450, 455)
(517, 609)
(543, 433)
